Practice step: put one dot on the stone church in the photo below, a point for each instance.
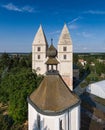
(65, 54)
(53, 106)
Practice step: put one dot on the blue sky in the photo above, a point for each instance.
(20, 20)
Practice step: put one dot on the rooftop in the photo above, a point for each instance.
(53, 95)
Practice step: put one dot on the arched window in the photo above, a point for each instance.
(60, 125)
(38, 49)
(64, 48)
(64, 57)
(38, 122)
(38, 57)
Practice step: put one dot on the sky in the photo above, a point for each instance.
(20, 20)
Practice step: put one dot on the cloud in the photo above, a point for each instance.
(85, 34)
(10, 6)
(74, 20)
(28, 9)
(13, 7)
(55, 32)
(95, 12)
(85, 48)
(72, 26)
(80, 49)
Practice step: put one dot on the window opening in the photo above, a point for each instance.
(64, 48)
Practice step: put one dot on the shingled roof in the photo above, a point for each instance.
(53, 95)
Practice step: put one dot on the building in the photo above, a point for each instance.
(75, 72)
(65, 57)
(97, 89)
(39, 50)
(53, 106)
(82, 61)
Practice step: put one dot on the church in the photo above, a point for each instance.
(65, 52)
(53, 105)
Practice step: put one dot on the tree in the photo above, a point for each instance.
(75, 58)
(5, 59)
(5, 122)
(15, 87)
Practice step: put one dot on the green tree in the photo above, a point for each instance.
(75, 58)
(100, 68)
(5, 122)
(15, 87)
(5, 60)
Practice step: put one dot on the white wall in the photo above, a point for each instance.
(66, 65)
(39, 63)
(75, 118)
(32, 115)
(70, 120)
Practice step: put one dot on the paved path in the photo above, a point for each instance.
(89, 114)
(98, 105)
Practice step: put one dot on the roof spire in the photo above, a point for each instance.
(51, 41)
(40, 37)
(65, 36)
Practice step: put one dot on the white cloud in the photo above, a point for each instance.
(72, 26)
(78, 47)
(95, 12)
(13, 7)
(85, 34)
(55, 32)
(28, 9)
(74, 20)
(10, 6)
(85, 48)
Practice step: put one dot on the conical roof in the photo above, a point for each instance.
(53, 96)
(65, 36)
(40, 37)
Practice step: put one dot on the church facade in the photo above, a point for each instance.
(65, 51)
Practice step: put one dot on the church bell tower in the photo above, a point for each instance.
(65, 57)
(39, 49)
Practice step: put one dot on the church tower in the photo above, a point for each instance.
(52, 106)
(65, 57)
(39, 48)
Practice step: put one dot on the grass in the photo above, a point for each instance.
(100, 100)
(83, 84)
